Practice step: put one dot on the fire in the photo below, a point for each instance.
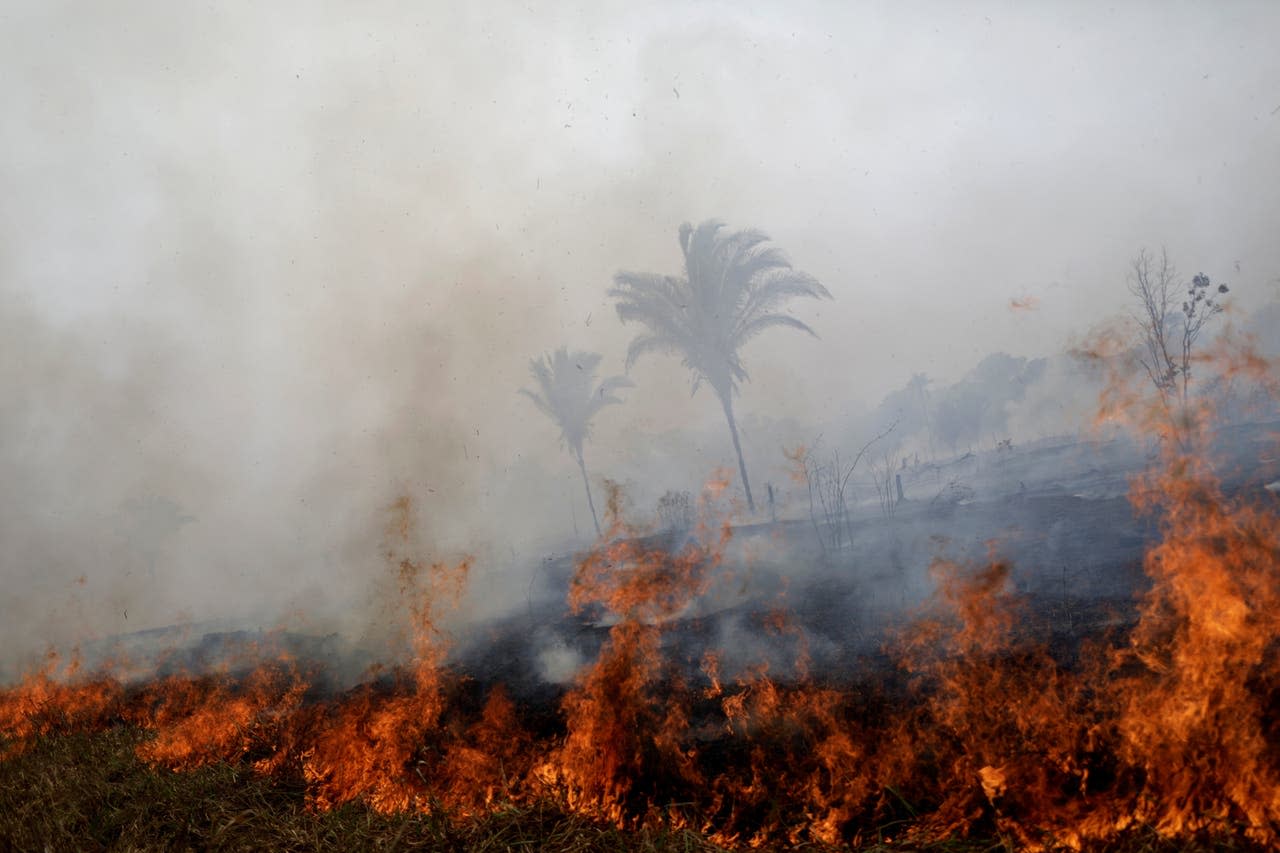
(367, 746)
(1198, 716)
(974, 723)
(48, 701)
(627, 716)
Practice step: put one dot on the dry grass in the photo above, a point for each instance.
(90, 792)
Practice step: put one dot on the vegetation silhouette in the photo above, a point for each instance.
(567, 393)
(731, 290)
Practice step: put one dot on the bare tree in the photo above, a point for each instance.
(1171, 316)
(883, 474)
(827, 482)
(731, 290)
(568, 395)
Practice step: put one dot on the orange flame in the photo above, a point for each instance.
(975, 724)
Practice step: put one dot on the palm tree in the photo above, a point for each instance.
(568, 394)
(730, 292)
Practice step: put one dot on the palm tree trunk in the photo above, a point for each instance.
(582, 466)
(727, 402)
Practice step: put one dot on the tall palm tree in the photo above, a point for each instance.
(730, 292)
(567, 393)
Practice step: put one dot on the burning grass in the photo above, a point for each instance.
(91, 792)
(1163, 735)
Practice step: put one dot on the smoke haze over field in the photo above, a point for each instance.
(264, 269)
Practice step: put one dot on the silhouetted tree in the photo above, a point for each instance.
(1168, 335)
(731, 290)
(567, 393)
(827, 483)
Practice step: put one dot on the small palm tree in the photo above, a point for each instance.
(567, 393)
(730, 292)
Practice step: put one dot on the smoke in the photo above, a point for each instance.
(262, 271)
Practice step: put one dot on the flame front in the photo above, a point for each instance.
(980, 727)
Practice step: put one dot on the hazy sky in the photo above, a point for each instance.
(278, 261)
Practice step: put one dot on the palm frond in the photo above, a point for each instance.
(614, 383)
(777, 289)
(569, 394)
(627, 284)
(732, 286)
(540, 402)
(604, 396)
(769, 321)
(748, 272)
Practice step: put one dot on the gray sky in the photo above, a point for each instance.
(279, 261)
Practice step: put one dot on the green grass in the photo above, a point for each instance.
(90, 792)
